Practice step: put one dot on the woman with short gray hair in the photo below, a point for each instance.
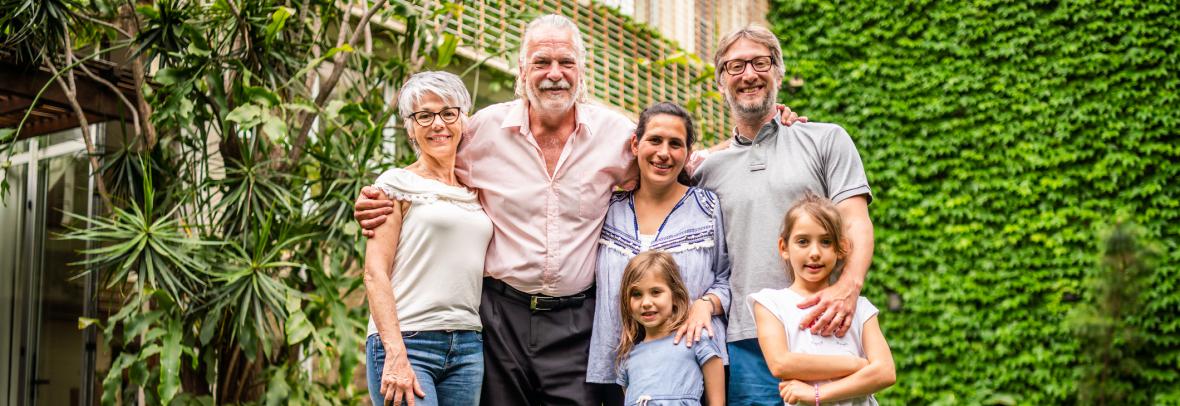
(424, 264)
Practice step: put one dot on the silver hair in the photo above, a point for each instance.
(445, 85)
(554, 21)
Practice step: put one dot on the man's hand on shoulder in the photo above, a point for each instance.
(370, 210)
(835, 307)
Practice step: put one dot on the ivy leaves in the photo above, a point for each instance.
(1001, 140)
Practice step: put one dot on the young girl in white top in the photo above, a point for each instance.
(832, 370)
(653, 370)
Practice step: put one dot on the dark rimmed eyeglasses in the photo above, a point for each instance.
(425, 118)
(737, 66)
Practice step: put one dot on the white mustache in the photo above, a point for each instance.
(547, 84)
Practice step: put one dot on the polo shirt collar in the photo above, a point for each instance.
(767, 130)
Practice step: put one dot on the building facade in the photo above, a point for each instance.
(695, 25)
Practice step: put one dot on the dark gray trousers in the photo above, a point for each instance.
(536, 357)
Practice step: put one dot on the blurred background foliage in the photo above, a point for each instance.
(1003, 140)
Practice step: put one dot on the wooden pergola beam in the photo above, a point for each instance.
(20, 85)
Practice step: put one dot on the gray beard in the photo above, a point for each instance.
(756, 112)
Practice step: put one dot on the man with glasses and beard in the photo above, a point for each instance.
(765, 169)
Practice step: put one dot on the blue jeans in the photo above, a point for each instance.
(448, 364)
(750, 380)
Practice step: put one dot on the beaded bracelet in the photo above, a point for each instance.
(817, 394)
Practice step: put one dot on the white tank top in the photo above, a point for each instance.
(438, 270)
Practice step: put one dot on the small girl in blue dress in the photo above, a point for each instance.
(653, 370)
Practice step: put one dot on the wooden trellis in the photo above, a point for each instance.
(627, 66)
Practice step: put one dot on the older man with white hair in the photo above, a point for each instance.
(545, 165)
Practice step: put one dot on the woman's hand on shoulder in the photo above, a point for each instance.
(700, 317)
(788, 117)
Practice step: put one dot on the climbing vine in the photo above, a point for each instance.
(1002, 140)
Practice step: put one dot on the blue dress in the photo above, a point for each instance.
(693, 233)
(659, 373)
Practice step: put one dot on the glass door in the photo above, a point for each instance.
(12, 257)
(47, 359)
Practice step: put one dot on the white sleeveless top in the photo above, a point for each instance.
(438, 270)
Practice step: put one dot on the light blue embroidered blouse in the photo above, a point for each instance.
(693, 233)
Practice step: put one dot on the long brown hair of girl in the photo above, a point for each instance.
(665, 266)
(822, 211)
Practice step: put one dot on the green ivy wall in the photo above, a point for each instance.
(1001, 140)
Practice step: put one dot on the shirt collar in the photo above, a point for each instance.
(518, 116)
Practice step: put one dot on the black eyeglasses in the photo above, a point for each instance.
(737, 66)
(425, 118)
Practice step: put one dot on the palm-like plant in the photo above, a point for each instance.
(140, 243)
(230, 235)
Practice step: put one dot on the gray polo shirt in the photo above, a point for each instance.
(758, 182)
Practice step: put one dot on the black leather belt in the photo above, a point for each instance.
(540, 303)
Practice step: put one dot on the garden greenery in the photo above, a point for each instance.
(238, 282)
(1002, 139)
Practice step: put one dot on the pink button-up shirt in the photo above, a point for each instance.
(545, 229)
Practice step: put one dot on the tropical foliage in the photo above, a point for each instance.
(1001, 140)
(230, 236)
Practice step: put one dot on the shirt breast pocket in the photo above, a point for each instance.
(588, 198)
